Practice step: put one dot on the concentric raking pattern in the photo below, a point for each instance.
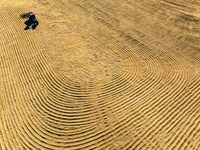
(100, 75)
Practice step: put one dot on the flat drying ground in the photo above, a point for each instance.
(100, 74)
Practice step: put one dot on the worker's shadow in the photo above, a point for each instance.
(29, 25)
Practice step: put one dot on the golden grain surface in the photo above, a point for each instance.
(100, 74)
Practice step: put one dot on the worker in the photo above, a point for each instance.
(32, 19)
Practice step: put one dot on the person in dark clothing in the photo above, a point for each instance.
(32, 20)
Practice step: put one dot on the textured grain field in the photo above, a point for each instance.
(100, 74)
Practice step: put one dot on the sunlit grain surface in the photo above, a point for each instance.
(100, 74)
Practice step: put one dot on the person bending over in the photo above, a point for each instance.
(32, 18)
